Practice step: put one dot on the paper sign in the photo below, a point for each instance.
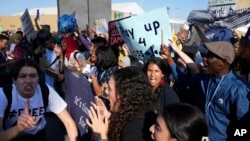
(142, 33)
(79, 95)
(101, 26)
(114, 36)
(27, 26)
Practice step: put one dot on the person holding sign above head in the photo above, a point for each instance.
(23, 105)
(219, 93)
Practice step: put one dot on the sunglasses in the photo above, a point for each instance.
(210, 54)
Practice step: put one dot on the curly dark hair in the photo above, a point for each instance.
(135, 96)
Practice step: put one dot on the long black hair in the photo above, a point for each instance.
(185, 122)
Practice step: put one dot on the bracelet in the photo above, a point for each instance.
(94, 78)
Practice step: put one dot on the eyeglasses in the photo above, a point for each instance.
(209, 54)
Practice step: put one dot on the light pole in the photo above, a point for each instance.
(174, 22)
(168, 11)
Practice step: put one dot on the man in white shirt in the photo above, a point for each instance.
(26, 113)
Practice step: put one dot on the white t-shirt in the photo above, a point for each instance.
(55, 104)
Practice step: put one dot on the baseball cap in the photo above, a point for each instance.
(223, 49)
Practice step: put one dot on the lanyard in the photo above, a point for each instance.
(209, 101)
(102, 74)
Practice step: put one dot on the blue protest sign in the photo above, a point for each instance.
(142, 33)
(79, 95)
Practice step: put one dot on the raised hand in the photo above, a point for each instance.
(164, 51)
(25, 120)
(98, 123)
(102, 107)
(125, 49)
(173, 45)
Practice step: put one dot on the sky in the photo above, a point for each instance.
(179, 9)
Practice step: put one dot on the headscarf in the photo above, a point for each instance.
(71, 46)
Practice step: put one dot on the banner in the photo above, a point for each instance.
(101, 26)
(142, 33)
(114, 36)
(223, 18)
(27, 26)
(79, 95)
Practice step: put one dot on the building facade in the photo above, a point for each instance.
(50, 15)
(224, 6)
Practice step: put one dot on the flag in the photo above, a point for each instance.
(73, 14)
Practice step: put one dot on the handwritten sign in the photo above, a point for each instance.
(114, 36)
(142, 33)
(79, 94)
(27, 26)
(101, 26)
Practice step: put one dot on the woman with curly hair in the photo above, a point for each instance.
(131, 103)
(158, 77)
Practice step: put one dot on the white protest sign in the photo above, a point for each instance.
(101, 26)
(142, 33)
(27, 26)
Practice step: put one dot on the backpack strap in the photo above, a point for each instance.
(45, 93)
(8, 93)
(53, 62)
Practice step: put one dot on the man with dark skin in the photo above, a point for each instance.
(220, 94)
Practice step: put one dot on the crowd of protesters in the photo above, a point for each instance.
(163, 98)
